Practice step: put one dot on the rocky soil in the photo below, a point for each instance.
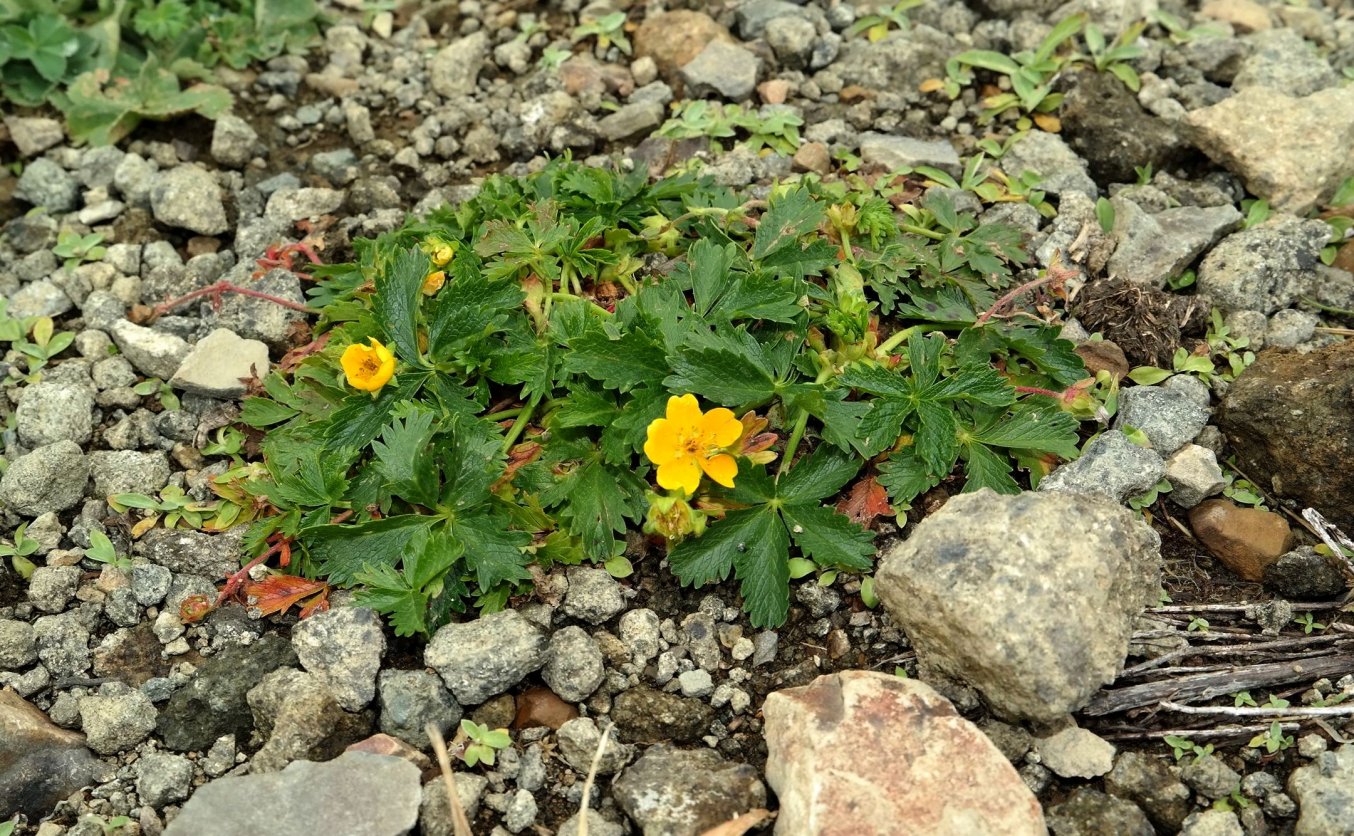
(1003, 618)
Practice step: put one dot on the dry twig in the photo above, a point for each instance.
(460, 825)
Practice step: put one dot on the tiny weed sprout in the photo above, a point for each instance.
(1182, 746)
(19, 552)
(1273, 740)
(101, 551)
(484, 744)
(1308, 623)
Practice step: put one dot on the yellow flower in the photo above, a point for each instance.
(441, 253)
(368, 367)
(688, 442)
(433, 282)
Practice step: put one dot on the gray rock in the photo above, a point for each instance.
(640, 634)
(290, 204)
(643, 715)
(116, 719)
(722, 68)
(98, 166)
(1055, 615)
(1263, 268)
(754, 15)
(357, 793)
(300, 720)
(434, 814)
(34, 134)
(521, 812)
(597, 825)
(31, 233)
(50, 478)
(671, 791)
(1149, 783)
(233, 141)
(1280, 60)
(1168, 418)
(696, 683)
(113, 373)
(338, 166)
(1289, 151)
(213, 703)
(1090, 813)
(42, 764)
(455, 68)
(631, 120)
(162, 778)
(594, 596)
(1213, 823)
(128, 471)
(894, 152)
(1194, 475)
(1210, 777)
(1153, 248)
(575, 667)
(1302, 574)
(18, 645)
(1191, 387)
(792, 39)
(50, 412)
(1058, 166)
(48, 185)
(487, 656)
(1076, 753)
(188, 197)
(63, 643)
(343, 647)
(150, 583)
(191, 552)
(153, 353)
(900, 60)
(1290, 328)
(220, 759)
(39, 298)
(52, 587)
(1324, 791)
(259, 319)
(409, 700)
(1111, 466)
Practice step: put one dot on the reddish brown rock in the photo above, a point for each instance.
(1290, 421)
(1103, 354)
(541, 707)
(813, 156)
(672, 39)
(40, 764)
(861, 753)
(384, 744)
(1246, 540)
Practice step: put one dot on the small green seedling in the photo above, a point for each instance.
(1243, 698)
(1148, 499)
(486, 742)
(156, 386)
(18, 553)
(1232, 801)
(1257, 212)
(176, 506)
(608, 29)
(1104, 212)
(1181, 746)
(101, 551)
(1276, 701)
(1197, 625)
(1113, 57)
(228, 441)
(876, 26)
(1144, 173)
(77, 249)
(1308, 623)
(44, 344)
(1273, 740)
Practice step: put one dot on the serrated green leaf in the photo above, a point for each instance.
(395, 305)
(986, 469)
(819, 475)
(937, 438)
(709, 265)
(761, 564)
(596, 501)
(622, 363)
(729, 369)
(492, 550)
(790, 216)
(340, 552)
(262, 412)
(905, 476)
(709, 558)
(831, 539)
(402, 455)
(876, 380)
(1033, 424)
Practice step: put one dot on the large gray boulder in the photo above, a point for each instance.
(1028, 599)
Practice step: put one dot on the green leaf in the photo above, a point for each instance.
(831, 539)
(709, 558)
(596, 501)
(819, 475)
(312, 480)
(393, 595)
(622, 363)
(1149, 375)
(988, 60)
(791, 216)
(937, 438)
(761, 564)
(492, 550)
(101, 109)
(708, 265)
(395, 305)
(986, 469)
(402, 455)
(263, 412)
(1104, 212)
(905, 476)
(361, 417)
(729, 369)
(340, 552)
(1033, 424)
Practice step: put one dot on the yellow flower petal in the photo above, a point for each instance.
(368, 367)
(684, 410)
(661, 445)
(682, 472)
(721, 427)
(433, 282)
(721, 468)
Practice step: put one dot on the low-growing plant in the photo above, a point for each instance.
(608, 30)
(171, 509)
(1308, 623)
(878, 24)
(1182, 746)
(772, 126)
(1273, 740)
(41, 343)
(19, 552)
(1220, 355)
(1030, 72)
(1113, 57)
(527, 377)
(77, 249)
(1180, 32)
(101, 550)
(163, 392)
(485, 743)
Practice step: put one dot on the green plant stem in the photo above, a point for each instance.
(523, 418)
(504, 414)
(801, 425)
(921, 230)
(886, 348)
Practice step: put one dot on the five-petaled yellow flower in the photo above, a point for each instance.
(688, 442)
(368, 367)
(433, 282)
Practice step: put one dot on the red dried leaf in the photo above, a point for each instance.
(276, 593)
(293, 358)
(867, 500)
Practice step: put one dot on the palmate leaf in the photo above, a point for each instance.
(621, 363)
(101, 109)
(401, 455)
(984, 468)
(493, 552)
(905, 476)
(340, 552)
(829, 538)
(819, 475)
(395, 305)
(791, 216)
(729, 368)
(596, 501)
(1034, 424)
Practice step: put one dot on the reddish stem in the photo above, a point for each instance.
(216, 290)
(1035, 390)
(1055, 272)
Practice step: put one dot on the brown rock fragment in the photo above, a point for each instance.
(1246, 540)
